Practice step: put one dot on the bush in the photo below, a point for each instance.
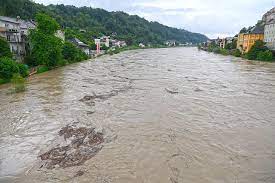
(104, 47)
(23, 70)
(73, 54)
(42, 69)
(265, 56)
(236, 53)
(7, 68)
(5, 49)
(258, 47)
(217, 50)
(30, 60)
(224, 52)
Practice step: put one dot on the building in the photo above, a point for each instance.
(269, 29)
(117, 43)
(240, 41)
(249, 38)
(84, 47)
(60, 34)
(270, 15)
(170, 43)
(222, 43)
(15, 31)
(141, 45)
(105, 40)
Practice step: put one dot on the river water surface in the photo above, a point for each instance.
(172, 115)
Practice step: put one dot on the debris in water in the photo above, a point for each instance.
(198, 90)
(84, 143)
(79, 173)
(90, 99)
(172, 91)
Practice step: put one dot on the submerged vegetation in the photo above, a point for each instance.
(18, 83)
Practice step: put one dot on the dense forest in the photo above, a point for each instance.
(95, 22)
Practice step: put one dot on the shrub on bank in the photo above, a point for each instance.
(265, 56)
(224, 52)
(236, 53)
(9, 67)
(42, 69)
(216, 50)
(256, 49)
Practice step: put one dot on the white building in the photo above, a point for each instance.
(269, 30)
(15, 31)
(105, 40)
(141, 45)
(60, 34)
(118, 43)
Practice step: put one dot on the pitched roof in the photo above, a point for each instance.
(24, 24)
(256, 30)
(271, 21)
(78, 42)
(9, 19)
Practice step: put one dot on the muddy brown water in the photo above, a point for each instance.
(168, 115)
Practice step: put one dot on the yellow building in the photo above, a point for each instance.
(240, 42)
(249, 39)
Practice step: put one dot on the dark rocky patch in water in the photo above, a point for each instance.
(84, 143)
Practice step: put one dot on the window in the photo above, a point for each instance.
(8, 38)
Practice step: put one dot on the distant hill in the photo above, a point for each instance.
(131, 28)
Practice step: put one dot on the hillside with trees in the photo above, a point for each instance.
(95, 22)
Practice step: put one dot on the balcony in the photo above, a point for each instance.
(12, 30)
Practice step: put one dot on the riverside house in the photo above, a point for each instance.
(84, 47)
(15, 31)
(248, 39)
(269, 29)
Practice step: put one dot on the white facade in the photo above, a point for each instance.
(269, 30)
(269, 36)
(60, 34)
(15, 30)
(105, 40)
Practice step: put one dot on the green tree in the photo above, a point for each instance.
(46, 24)
(46, 47)
(73, 54)
(258, 47)
(5, 48)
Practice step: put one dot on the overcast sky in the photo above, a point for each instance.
(211, 17)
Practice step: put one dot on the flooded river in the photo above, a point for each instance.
(168, 116)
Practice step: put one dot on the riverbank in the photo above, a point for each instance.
(257, 53)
